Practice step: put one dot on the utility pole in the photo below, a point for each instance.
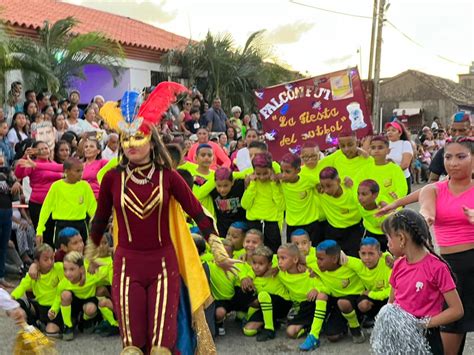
(372, 41)
(378, 52)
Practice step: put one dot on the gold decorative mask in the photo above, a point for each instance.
(134, 141)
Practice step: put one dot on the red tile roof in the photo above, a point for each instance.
(32, 14)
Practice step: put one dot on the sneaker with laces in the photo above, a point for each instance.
(68, 334)
(311, 343)
(266, 334)
(357, 335)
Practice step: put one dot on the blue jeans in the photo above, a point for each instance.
(5, 233)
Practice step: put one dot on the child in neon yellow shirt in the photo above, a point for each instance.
(301, 205)
(388, 175)
(343, 286)
(44, 290)
(69, 201)
(273, 298)
(263, 201)
(374, 268)
(367, 193)
(203, 173)
(300, 238)
(76, 295)
(236, 236)
(303, 289)
(342, 213)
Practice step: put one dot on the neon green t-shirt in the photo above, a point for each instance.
(300, 202)
(199, 182)
(263, 201)
(299, 285)
(68, 202)
(344, 166)
(242, 174)
(389, 177)
(311, 260)
(375, 280)
(341, 282)
(341, 212)
(370, 221)
(272, 285)
(44, 288)
(222, 286)
(236, 254)
(83, 292)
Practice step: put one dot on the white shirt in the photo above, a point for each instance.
(434, 125)
(6, 301)
(242, 160)
(397, 149)
(108, 154)
(13, 138)
(79, 127)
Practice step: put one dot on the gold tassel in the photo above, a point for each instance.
(30, 341)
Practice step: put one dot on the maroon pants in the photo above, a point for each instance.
(145, 293)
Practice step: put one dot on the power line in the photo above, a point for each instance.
(330, 11)
(388, 22)
(422, 46)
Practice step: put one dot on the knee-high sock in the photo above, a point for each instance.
(319, 315)
(251, 312)
(66, 314)
(108, 316)
(249, 332)
(351, 319)
(265, 301)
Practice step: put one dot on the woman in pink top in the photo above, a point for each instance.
(421, 281)
(220, 158)
(447, 205)
(92, 164)
(42, 172)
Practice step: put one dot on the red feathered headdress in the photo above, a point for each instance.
(159, 101)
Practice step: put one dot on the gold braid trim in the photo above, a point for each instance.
(205, 343)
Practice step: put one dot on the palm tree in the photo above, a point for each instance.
(228, 72)
(59, 56)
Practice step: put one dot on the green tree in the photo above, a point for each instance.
(59, 56)
(218, 68)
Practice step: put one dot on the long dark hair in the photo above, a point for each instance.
(159, 153)
(413, 224)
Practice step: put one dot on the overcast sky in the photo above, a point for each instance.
(314, 41)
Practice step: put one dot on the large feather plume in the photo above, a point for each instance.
(112, 114)
(158, 102)
(129, 105)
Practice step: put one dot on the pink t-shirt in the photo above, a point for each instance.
(451, 226)
(90, 174)
(419, 287)
(41, 177)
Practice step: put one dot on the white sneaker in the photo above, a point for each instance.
(221, 331)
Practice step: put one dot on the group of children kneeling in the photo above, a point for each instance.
(63, 290)
(315, 290)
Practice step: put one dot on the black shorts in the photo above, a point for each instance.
(77, 305)
(382, 239)
(40, 313)
(240, 302)
(377, 305)
(305, 314)
(335, 322)
(463, 268)
(434, 340)
(271, 233)
(348, 238)
(315, 231)
(280, 306)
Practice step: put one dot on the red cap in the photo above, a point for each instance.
(395, 125)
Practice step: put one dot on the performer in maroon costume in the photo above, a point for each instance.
(146, 280)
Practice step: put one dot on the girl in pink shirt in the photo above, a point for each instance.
(42, 172)
(421, 281)
(92, 164)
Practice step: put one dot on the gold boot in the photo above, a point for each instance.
(159, 350)
(131, 350)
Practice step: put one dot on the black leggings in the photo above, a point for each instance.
(348, 238)
(81, 226)
(271, 233)
(48, 234)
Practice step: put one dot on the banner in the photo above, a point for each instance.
(315, 109)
